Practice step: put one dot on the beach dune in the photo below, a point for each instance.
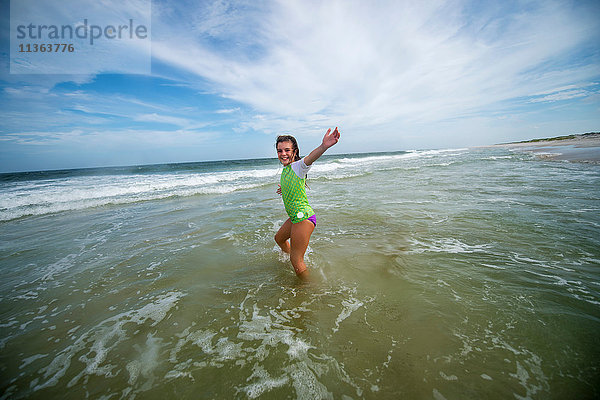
(575, 148)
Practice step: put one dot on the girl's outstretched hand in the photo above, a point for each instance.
(331, 138)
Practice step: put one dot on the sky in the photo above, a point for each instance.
(224, 78)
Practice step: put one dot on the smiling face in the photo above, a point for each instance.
(285, 152)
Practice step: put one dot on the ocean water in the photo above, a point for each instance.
(466, 273)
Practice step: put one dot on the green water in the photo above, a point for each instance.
(459, 274)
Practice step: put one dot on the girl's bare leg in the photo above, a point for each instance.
(300, 235)
(283, 234)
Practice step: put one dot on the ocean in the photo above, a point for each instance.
(444, 274)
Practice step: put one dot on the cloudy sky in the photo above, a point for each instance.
(226, 77)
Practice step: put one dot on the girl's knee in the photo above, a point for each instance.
(280, 240)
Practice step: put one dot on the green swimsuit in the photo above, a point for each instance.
(293, 192)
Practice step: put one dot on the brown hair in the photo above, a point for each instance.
(289, 138)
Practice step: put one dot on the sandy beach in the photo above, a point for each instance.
(580, 148)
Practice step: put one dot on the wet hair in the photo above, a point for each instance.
(289, 138)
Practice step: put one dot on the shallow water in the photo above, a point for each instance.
(435, 274)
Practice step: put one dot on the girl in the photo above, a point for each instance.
(302, 221)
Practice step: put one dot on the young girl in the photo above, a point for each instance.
(302, 221)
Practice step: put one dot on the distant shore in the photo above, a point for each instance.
(576, 148)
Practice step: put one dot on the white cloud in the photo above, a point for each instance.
(167, 119)
(582, 85)
(153, 117)
(227, 110)
(27, 92)
(379, 63)
(561, 95)
(94, 138)
(394, 75)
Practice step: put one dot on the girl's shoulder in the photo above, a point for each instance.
(300, 168)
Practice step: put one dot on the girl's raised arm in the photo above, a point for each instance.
(329, 140)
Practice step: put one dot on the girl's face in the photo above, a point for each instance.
(285, 152)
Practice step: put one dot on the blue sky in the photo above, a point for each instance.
(228, 76)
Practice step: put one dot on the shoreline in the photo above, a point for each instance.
(578, 148)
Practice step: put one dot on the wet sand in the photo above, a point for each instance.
(582, 148)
